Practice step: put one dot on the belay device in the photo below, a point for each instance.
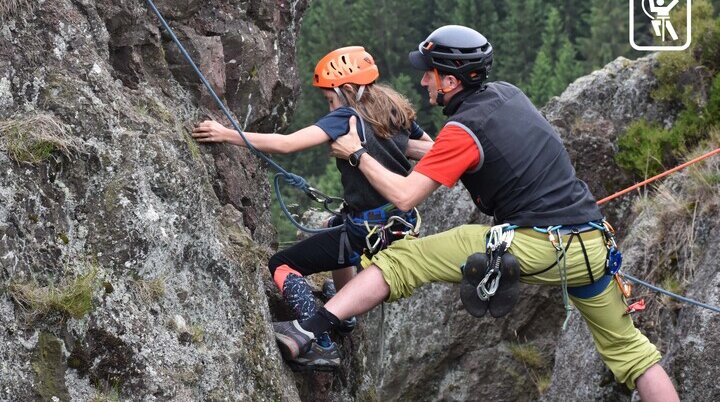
(491, 279)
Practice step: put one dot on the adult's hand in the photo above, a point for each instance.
(212, 131)
(348, 143)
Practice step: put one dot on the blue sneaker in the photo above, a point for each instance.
(318, 358)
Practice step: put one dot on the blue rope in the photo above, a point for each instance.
(290, 178)
(671, 294)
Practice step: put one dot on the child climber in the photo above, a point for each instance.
(346, 77)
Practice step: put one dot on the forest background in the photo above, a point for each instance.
(540, 46)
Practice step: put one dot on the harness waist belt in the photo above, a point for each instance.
(379, 216)
(587, 234)
(591, 290)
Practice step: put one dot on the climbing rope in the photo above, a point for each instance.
(290, 178)
(671, 294)
(659, 176)
(643, 183)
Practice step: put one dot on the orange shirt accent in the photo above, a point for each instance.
(453, 153)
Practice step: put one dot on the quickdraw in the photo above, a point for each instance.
(499, 240)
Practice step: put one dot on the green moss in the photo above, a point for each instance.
(63, 238)
(197, 333)
(72, 298)
(47, 363)
(192, 146)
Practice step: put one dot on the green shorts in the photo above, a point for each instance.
(409, 263)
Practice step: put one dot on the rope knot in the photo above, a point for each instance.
(296, 181)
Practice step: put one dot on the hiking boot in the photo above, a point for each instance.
(346, 326)
(292, 339)
(318, 358)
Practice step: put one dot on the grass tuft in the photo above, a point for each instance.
(527, 354)
(73, 297)
(35, 138)
(149, 290)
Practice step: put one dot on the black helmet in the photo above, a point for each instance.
(456, 50)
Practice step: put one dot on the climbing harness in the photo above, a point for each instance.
(379, 227)
(290, 178)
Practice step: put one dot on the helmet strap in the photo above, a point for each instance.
(342, 96)
(440, 99)
(360, 92)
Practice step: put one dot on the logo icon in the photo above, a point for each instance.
(651, 28)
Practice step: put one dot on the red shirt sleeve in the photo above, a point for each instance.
(454, 152)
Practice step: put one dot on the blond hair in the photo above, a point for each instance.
(385, 109)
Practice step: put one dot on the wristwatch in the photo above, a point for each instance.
(354, 158)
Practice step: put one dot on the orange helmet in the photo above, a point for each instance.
(347, 65)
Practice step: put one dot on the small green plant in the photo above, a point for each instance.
(33, 139)
(72, 297)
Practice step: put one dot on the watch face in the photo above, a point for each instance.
(354, 158)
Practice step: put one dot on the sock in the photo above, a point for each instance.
(321, 322)
(298, 295)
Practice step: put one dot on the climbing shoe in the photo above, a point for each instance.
(508, 291)
(318, 358)
(328, 289)
(292, 339)
(346, 326)
(473, 272)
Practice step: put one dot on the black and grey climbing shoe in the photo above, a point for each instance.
(346, 326)
(318, 358)
(473, 272)
(328, 289)
(508, 292)
(292, 339)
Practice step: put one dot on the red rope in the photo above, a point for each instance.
(660, 176)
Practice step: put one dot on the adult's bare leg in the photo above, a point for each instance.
(367, 290)
(654, 385)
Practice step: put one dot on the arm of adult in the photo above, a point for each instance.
(404, 192)
(416, 149)
(213, 132)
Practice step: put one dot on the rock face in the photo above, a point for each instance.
(131, 259)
